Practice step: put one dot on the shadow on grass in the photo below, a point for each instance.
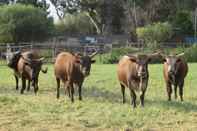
(101, 95)
(174, 104)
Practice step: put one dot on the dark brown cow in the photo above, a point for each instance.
(133, 73)
(72, 69)
(175, 70)
(26, 65)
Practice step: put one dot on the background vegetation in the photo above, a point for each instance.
(136, 18)
(21, 23)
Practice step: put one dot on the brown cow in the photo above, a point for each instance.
(174, 71)
(72, 69)
(133, 73)
(26, 65)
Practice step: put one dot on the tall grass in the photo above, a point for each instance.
(101, 108)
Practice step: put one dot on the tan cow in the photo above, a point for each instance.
(133, 73)
(72, 69)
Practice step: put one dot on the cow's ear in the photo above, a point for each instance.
(78, 61)
(93, 61)
(178, 60)
(132, 59)
(149, 60)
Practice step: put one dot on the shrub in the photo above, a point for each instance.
(190, 54)
(114, 55)
(21, 23)
(152, 34)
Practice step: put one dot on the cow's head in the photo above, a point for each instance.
(85, 63)
(13, 59)
(142, 63)
(36, 66)
(173, 63)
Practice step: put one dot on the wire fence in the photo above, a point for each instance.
(50, 51)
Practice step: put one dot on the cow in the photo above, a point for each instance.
(133, 73)
(26, 65)
(175, 70)
(72, 69)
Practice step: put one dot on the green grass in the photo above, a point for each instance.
(101, 108)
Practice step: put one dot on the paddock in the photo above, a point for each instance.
(101, 107)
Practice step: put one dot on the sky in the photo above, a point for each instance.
(52, 11)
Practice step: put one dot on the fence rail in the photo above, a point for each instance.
(50, 51)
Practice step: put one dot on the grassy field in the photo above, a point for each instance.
(101, 108)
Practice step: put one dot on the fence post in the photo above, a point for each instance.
(8, 52)
(54, 50)
(31, 46)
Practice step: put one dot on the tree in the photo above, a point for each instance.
(183, 23)
(36, 3)
(21, 23)
(74, 25)
(100, 12)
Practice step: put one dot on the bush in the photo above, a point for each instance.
(115, 55)
(190, 54)
(152, 34)
(21, 23)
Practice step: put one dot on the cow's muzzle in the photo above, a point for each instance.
(142, 74)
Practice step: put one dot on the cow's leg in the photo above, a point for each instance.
(67, 88)
(133, 97)
(181, 90)
(142, 98)
(71, 91)
(58, 87)
(79, 90)
(23, 85)
(28, 86)
(16, 78)
(169, 90)
(175, 91)
(36, 86)
(123, 93)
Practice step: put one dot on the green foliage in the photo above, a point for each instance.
(21, 23)
(183, 23)
(75, 24)
(158, 32)
(114, 55)
(190, 53)
(117, 53)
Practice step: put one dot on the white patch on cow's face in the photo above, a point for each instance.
(171, 62)
(142, 68)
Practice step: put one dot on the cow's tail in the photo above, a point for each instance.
(44, 70)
